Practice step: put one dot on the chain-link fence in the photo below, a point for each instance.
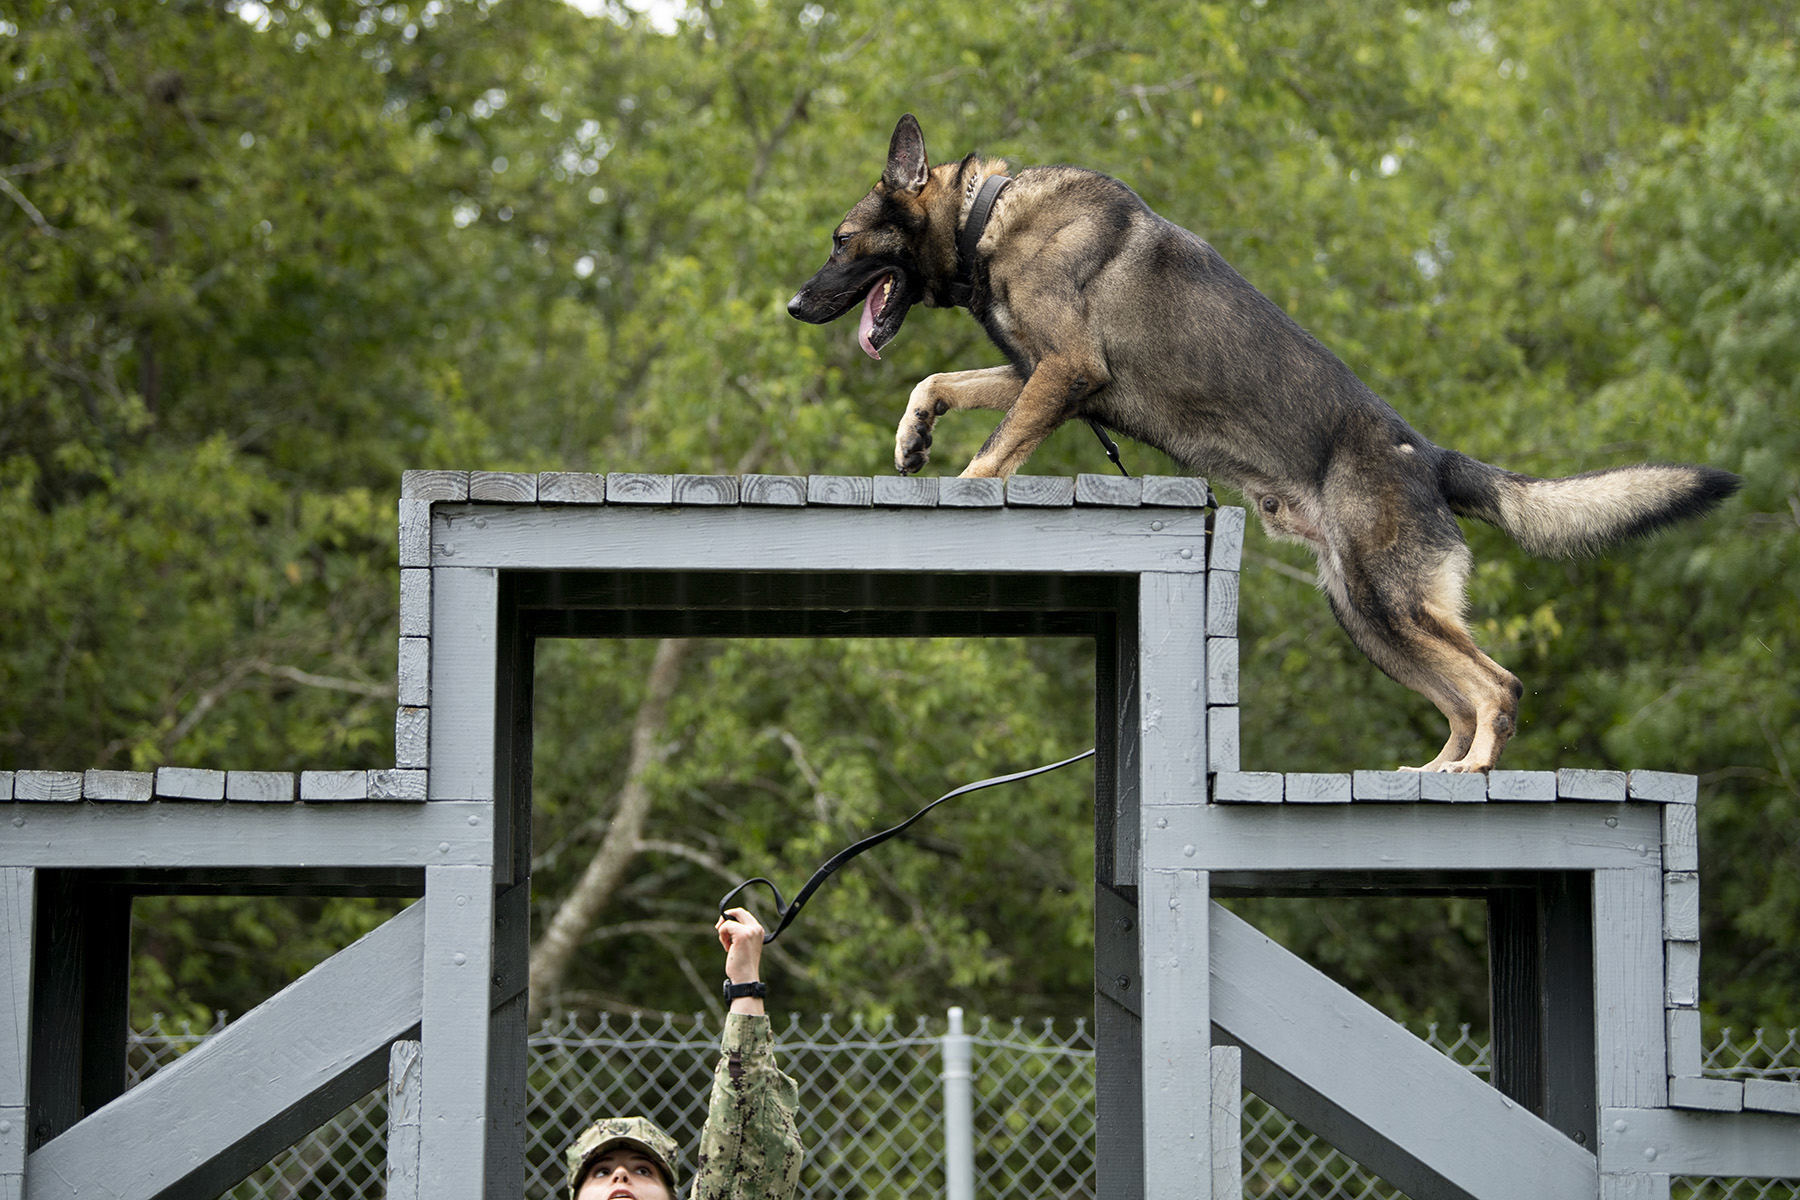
(870, 1098)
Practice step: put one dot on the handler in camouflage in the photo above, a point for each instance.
(749, 1149)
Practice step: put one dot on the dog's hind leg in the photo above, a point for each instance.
(989, 387)
(1407, 617)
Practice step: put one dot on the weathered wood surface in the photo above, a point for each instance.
(397, 784)
(1405, 837)
(1681, 837)
(459, 921)
(18, 920)
(1397, 786)
(1521, 785)
(1109, 491)
(415, 602)
(414, 672)
(1708, 1095)
(1348, 1073)
(705, 489)
(1040, 491)
(412, 737)
(415, 533)
(464, 668)
(1681, 906)
(1305, 787)
(1758, 1145)
(1773, 1095)
(131, 787)
(190, 783)
(403, 1120)
(1663, 787)
(334, 785)
(1176, 491)
(1249, 787)
(503, 487)
(1579, 783)
(1175, 908)
(1221, 670)
(1682, 968)
(180, 834)
(1224, 739)
(846, 491)
(261, 787)
(1443, 787)
(431, 486)
(631, 487)
(1222, 604)
(746, 538)
(1631, 1046)
(571, 487)
(53, 787)
(1227, 539)
(906, 491)
(202, 1123)
(1227, 1123)
(1686, 1055)
(1172, 715)
(786, 491)
(1634, 1187)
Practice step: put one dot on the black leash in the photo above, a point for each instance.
(788, 912)
(1112, 447)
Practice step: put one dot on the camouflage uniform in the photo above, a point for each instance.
(750, 1148)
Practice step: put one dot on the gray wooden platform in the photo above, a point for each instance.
(1590, 875)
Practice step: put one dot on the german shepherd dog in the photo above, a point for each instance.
(1109, 313)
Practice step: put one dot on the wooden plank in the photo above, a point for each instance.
(203, 1122)
(1758, 1145)
(1118, 738)
(1109, 491)
(1328, 1059)
(840, 491)
(334, 785)
(396, 784)
(1175, 908)
(1772, 1095)
(1681, 837)
(18, 923)
(1453, 787)
(1710, 1095)
(1396, 786)
(1176, 491)
(1040, 491)
(1221, 603)
(1227, 1123)
(415, 602)
(957, 492)
(413, 672)
(1631, 1050)
(178, 834)
(503, 487)
(509, 1058)
(906, 491)
(1686, 1057)
(705, 489)
(261, 787)
(465, 677)
(1118, 1101)
(190, 783)
(14, 1123)
(630, 487)
(1516, 995)
(1173, 721)
(1222, 739)
(1681, 906)
(1221, 670)
(403, 1120)
(56, 787)
(1406, 837)
(1533, 786)
(1663, 787)
(1634, 1187)
(6, 785)
(1248, 787)
(571, 487)
(458, 951)
(1580, 783)
(429, 486)
(132, 787)
(415, 533)
(1117, 973)
(1227, 542)
(1682, 965)
(746, 538)
(786, 491)
(1566, 922)
(1305, 787)
(412, 737)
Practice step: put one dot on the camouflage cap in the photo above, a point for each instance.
(640, 1133)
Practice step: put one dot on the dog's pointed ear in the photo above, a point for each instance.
(906, 166)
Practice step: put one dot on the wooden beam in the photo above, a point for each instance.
(465, 617)
(1054, 540)
(1277, 838)
(177, 834)
(1631, 1067)
(201, 1124)
(1175, 908)
(1344, 1070)
(404, 1065)
(1753, 1145)
(454, 1032)
(18, 922)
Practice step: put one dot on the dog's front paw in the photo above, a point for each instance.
(912, 441)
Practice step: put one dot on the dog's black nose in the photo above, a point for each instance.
(794, 306)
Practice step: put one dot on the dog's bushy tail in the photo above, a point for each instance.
(1583, 513)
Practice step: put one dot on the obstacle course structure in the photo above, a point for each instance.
(1590, 876)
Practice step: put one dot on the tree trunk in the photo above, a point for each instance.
(551, 956)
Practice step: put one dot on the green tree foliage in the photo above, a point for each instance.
(257, 258)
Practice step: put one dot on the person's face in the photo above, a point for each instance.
(623, 1174)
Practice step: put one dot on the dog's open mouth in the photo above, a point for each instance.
(882, 313)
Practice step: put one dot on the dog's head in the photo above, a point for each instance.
(883, 252)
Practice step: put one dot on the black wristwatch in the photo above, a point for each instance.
(756, 988)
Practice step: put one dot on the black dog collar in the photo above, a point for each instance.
(964, 285)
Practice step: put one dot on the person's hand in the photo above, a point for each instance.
(742, 936)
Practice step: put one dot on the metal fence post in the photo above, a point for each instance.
(959, 1112)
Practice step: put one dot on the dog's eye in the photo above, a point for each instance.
(839, 241)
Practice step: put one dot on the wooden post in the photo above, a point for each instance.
(18, 923)
(80, 1001)
(403, 1096)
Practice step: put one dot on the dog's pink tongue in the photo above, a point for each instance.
(866, 326)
